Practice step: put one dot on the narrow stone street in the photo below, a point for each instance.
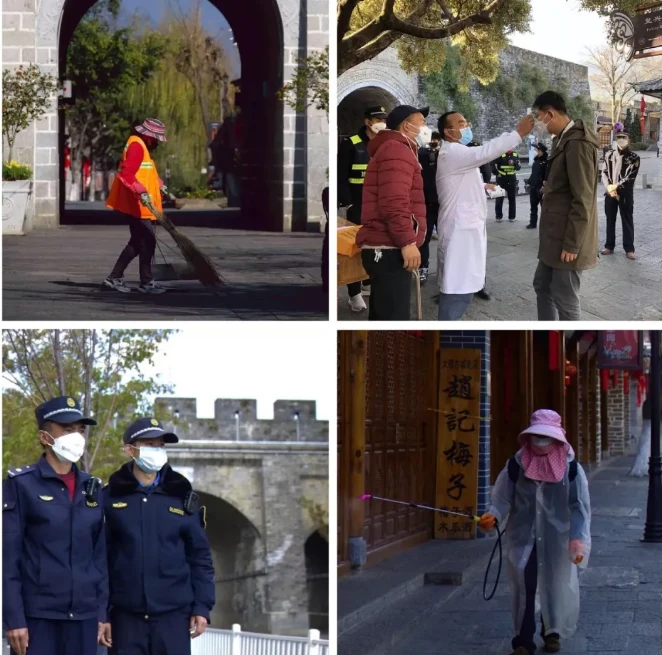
(394, 608)
(618, 289)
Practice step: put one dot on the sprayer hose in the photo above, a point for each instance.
(489, 565)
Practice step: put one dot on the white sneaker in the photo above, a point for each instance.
(151, 288)
(357, 303)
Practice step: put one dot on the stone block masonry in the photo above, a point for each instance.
(616, 413)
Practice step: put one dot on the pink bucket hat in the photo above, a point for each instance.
(152, 127)
(545, 423)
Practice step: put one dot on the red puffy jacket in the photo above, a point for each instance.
(393, 210)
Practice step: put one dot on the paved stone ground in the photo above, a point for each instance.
(621, 591)
(57, 275)
(618, 289)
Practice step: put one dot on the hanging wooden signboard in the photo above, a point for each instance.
(457, 441)
(620, 349)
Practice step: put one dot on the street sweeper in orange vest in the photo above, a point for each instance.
(137, 185)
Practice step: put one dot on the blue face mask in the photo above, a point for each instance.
(467, 136)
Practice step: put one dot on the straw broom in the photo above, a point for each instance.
(198, 261)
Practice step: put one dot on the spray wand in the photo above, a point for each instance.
(469, 517)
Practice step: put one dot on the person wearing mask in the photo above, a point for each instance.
(136, 185)
(462, 250)
(505, 168)
(535, 182)
(427, 156)
(619, 175)
(569, 215)
(394, 219)
(543, 494)
(54, 603)
(160, 566)
(353, 158)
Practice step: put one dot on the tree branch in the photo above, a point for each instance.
(344, 17)
(57, 353)
(25, 364)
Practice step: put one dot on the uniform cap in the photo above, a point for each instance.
(148, 428)
(401, 113)
(542, 146)
(152, 127)
(63, 409)
(375, 112)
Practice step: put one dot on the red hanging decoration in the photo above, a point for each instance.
(614, 379)
(604, 379)
(508, 387)
(415, 333)
(554, 350)
(570, 372)
(626, 383)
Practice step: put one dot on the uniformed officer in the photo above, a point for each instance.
(353, 161)
(427, 158)
(159, 560)
(505, 169)
(55, 579)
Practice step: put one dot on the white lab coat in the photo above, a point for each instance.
(461, 225)
(551, 515)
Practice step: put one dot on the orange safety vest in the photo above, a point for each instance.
(122, 199)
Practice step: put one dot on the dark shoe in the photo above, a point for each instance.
(552, 643)
(531, 226)
(151, 288)
(116, 283)
(423, 275)
(483, 294)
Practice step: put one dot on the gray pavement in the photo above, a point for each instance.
(57, 275)
(618, 289)
(388, 610)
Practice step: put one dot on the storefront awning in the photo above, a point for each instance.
(650, 88)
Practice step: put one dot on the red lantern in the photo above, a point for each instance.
(570, 372)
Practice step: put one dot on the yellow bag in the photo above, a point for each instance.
(347, 241)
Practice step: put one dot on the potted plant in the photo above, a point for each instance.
(26, 97)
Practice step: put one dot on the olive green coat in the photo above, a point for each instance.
(569, 217)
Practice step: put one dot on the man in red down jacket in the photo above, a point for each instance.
(393, 216)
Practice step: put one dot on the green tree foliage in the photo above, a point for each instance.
(26, 96)
(309, 84)
(635, 129)
(627, 123)
(104, 369)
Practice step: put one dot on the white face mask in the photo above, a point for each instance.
(151, 460)
(418, 129)
(378, 127)
(544, 126)
(69, 447)
(541, 442)
(622, 143)
(424, 136)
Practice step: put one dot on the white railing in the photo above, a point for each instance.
(236, 642)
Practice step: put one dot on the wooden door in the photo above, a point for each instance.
(399, 454)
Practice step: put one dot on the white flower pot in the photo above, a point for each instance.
(14, 201)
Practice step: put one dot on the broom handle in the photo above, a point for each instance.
(419, 303)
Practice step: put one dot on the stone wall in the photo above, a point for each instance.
(266, 494)
(616, 414)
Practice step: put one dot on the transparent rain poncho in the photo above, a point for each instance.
(551, 515)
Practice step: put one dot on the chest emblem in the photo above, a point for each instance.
(174, 510)
(46, 498)
(92, 504)
(119, 505)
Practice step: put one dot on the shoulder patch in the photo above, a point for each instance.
(175, 510)
(89, 504)
(46, 498)
(21, 470)
(119, 505)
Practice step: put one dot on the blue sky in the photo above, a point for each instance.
(211, 18)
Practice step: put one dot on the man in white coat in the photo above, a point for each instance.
(462, 250)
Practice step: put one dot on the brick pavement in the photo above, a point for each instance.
(57, 275)
(621, 591)
(618, 289)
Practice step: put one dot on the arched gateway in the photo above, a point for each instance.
(281, 160)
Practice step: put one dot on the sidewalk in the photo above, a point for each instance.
(57, 275)
(388, 610)
(618, 289)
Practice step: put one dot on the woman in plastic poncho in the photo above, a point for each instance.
(543, 492)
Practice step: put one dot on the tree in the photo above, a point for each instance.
(102, 368)
(635, 129)
(309, 84)
(418, 27)
(26, 97)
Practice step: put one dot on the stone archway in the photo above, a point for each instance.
(271, 36)
(352, 107)
(316, 551)
(238, 555)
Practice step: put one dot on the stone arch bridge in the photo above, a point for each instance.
(265, 484)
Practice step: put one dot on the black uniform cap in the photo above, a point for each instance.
(63, 409)
(148, 428)
(402, 112)
(375, 112)
(542, 146)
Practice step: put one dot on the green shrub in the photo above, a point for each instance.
(13, 171)
(638, 146)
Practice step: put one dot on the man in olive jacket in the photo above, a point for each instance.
(569, 217)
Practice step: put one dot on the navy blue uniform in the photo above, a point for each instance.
(159, 563)
(55, 580)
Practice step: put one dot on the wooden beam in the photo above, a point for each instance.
(572, 399)
(604, 422)
(358, 350)
(433, 345)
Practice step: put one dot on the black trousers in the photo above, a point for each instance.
(432, 213)
(354, 215)
(624, 203)
(390, 292)
(142, 244)
(534, 195)
(527, 630)
(510, 185)
(136, 634)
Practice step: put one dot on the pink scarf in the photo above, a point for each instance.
(545, 464)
